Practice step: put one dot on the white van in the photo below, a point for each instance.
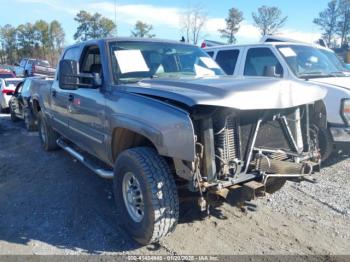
(295, 60)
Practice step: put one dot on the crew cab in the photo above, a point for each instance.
(34, 67)
(296, 61)
(154, 114)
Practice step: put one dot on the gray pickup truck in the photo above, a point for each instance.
(156, 115)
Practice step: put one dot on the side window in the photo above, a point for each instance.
(25, 87)
(23, 62)
(210, 53)
(259, 62)
(227, 59)
(72, 54)
(91, 61)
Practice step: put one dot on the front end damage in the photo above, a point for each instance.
(241, 154)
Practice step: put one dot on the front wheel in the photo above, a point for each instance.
(326, 144)
(47, 135)
(274, 184)
(145, 194)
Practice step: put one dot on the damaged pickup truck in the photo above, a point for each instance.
(152, 115)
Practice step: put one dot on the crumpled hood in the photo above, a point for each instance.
(239, 93)
(343, 82)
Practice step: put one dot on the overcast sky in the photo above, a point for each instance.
(165, 15)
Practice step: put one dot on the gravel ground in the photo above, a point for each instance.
(51, 204)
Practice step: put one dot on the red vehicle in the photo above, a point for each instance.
(6, 74)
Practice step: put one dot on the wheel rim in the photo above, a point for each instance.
(43, 132)
(132, 196)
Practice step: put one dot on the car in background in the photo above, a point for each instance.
(7, 87)
(5, 73)
(34, 67)
(20, 104)
(8, 68)
(295, 61)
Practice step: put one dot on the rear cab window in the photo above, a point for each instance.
(227, 60)
(259, 60)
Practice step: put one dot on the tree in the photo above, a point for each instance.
(327, 21)
(269, 19)
(56, 41)
(193, 22)
(142, 29)
(235, 17)
(343, 23)
(41, 29)
(93, 26)
(8, 42)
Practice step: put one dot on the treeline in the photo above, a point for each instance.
(334, 22)
(42, 39)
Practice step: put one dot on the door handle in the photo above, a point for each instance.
(54, 93)
(71, 98)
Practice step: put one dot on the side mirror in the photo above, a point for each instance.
(68, 74)
(270, 71)
(97, 79)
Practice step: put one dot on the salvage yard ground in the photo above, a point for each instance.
(51, 204)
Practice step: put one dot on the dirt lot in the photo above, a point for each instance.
(51, 204)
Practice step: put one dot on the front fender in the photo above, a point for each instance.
(170, 129)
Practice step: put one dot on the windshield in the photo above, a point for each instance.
(133, 61)
(308, 62)
(335, 59)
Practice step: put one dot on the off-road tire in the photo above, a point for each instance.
(13, 116)
(274, 184)
(29, 121)
(47, 135)
(326, 144)
(161, 204)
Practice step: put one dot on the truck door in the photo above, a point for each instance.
(262, 62)
(60, 99)
(86, 107)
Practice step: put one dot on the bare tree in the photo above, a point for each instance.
(269, 19)
(235, 17)
(343, 23)
(327, 21)
(193, 22)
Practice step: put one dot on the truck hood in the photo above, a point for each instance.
(343, 82)
(238, 93)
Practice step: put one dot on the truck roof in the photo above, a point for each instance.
(266, 44)
(130, 39)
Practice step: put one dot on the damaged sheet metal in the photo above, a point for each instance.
(240, 93)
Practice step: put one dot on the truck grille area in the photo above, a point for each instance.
(233, 138)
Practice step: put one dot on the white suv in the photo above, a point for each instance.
(294, 60)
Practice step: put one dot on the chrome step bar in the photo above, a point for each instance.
(99, 171)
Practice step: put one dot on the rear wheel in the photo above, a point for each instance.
(47, 135)
(29, 121)
(14, 118)
(145, 195)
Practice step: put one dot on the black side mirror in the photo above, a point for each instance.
(68, 74)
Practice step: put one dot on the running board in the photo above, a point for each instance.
(99, 171)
